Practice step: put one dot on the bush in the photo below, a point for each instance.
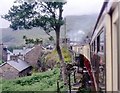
(54, 56)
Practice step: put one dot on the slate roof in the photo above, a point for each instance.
(10, 53)
(22, 51)
(20, 65)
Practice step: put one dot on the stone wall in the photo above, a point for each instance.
(3, 53)
(8, 72)
(25, 72)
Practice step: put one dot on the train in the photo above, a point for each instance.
(103, 50)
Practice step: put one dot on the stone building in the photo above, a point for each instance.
(33, 55)
(30, 55)
(14, 68)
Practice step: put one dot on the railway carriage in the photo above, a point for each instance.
(105, 48)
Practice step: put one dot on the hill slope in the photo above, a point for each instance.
(11, 37)
(76, 26)
(44, 81)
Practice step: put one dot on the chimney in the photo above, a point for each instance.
(8, 56)
(21, 56)
(24, 48)
(14, 57)
(3, 52)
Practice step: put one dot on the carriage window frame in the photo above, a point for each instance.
(94, 45)
(98, 44)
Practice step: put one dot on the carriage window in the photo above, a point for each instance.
(101, 61)
(94, 46)
(100, 42)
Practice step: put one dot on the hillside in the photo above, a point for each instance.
(74, 24)
(44, 81)
(11, 37)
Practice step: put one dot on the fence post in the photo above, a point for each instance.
(74, 77)
(58, 88)
(69, 83)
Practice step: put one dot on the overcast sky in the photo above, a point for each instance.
(73, 7)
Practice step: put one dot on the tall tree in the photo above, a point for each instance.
(47, 15)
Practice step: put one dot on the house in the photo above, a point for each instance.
(33, 56)
(30, 55)
(76, 48)
(65, 41)
(14, 68)
(20, 62)
(22, 52)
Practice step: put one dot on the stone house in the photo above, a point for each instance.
(30, 55)
(33, 55)
(22, 52)
(14, 68)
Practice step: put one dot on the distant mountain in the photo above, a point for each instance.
(83, 22)
(11, 37)
(74, 24)
(79, 26)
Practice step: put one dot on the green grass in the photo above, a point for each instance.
(45, 81)
(1, 62)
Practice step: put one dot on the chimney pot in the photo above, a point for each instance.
(14, 57)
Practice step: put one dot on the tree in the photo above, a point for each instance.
(47, 15)
(24, 37)
(51, 38)
(32, 41)
(38, 41)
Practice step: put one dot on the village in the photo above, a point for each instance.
(21, 62)
(60, 46)
(28, 61)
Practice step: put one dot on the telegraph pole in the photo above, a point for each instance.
(65, 31)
